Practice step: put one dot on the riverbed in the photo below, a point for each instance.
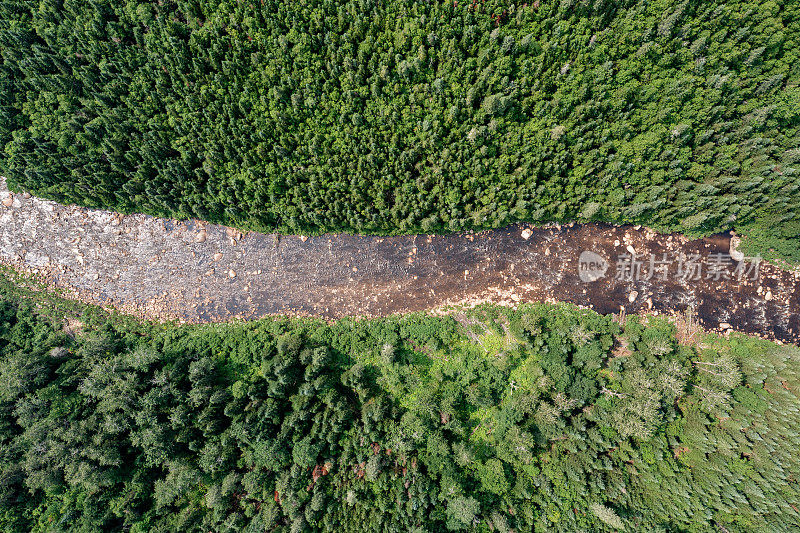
(198, 272)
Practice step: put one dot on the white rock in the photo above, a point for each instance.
(725, 325)
(736, 255)
(217, 256)
(630, 249)
(526, 234)
(632, 296)
(768, 296)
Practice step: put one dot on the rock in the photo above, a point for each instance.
(616, 242)
(736, 255)
(217, 256)
(768, 296)
(303, 238)
(26, 195)
(631, 249)
(201, 237)
(59, 352)
(632, 296)
(526, 234)
(724, 325)
(8, 201)
(231, 273)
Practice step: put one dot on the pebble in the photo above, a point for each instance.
(303, 238)
(526, 234)
(630, 249)
(768, 296)
(201, 237)
(217, 256)
(632, 296)
(8, 201)
(231, 273)
(725, 325)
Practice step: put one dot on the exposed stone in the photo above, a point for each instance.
(632, 296)
(526, 234)
(736, 255)
(217, 256)
(59, 352)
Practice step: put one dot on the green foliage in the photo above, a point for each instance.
(404, 116)
(573, 423)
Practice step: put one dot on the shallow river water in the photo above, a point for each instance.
(199, 272)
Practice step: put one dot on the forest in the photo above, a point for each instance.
(407, 116)
(542, 418)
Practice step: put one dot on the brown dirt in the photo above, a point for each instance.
(198, 272)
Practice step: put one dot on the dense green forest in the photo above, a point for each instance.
(544, 418)
(401, 116)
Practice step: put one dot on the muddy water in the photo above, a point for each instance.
(200, 272)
